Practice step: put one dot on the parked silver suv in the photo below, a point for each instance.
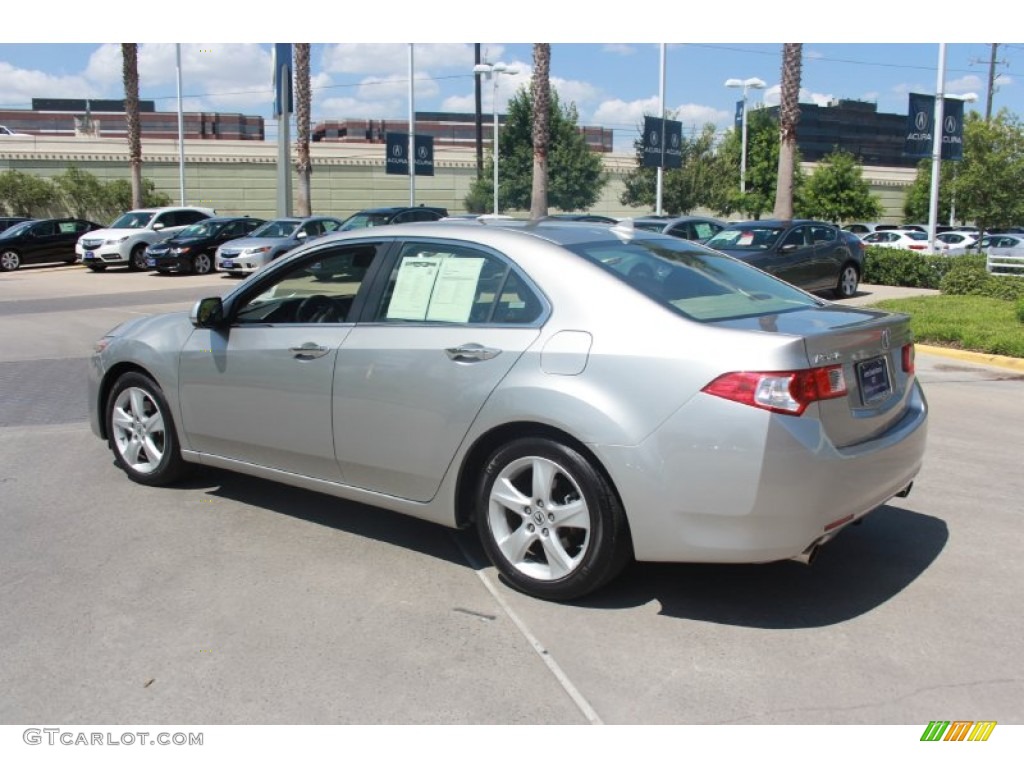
(125, 241)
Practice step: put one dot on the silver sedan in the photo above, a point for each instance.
(582, 394)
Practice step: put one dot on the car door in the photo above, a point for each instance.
(42, 243)
(260, 390)
(792, 258)
(830, 254)
(450, 322)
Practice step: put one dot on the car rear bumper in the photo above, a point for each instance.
(717, 484)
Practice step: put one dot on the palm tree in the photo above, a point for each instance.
(789, 114)
(303, 97)
(540, 86)
(130, 72)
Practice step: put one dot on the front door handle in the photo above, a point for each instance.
(465, 352)
(309, 350)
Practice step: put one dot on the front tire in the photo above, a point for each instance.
(550, 521)
(137, 260)
(849, 279)
(9, 261)
(140, 431)
(202, 264)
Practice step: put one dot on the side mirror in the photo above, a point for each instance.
(788, 248)
(158, 226)
(208, 312)
(302, 234)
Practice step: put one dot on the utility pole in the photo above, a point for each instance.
(479, 116)
(991, 82)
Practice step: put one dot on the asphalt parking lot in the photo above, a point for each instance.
(229, 599)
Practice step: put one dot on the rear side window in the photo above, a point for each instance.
(440, 283)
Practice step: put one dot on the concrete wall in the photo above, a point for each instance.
(240, 177)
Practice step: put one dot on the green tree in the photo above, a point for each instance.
(81, 193)
(916, 204)
(24, 195)
(991, 175)
(837, 192)
(683, 189)
(575, 174)
(789, 116)
(762, 168)
(118, 194)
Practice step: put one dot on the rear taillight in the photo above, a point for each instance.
(780, 391)
(908, 358)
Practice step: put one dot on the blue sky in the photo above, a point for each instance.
(612, 79)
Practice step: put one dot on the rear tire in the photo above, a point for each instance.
(550, 521)
(849, 279)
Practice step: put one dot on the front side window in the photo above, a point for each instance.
(441, 283)
(318, 289)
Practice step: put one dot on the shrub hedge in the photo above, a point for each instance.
(896, 266)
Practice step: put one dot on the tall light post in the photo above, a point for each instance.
(965, 97)
(491, 72)
(750, 82)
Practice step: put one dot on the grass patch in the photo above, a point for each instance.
(975, 323)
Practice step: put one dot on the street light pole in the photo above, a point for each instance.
(750, 82)
(491, 71)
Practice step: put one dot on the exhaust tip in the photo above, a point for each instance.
(808, 556)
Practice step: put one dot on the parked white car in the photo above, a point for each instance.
(899, 238)
(5, 131)
(955, 243)
(126, 240)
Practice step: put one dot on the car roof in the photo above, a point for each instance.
(776, 223)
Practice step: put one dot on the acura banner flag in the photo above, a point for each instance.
(920, 119)
(397, 148)
(663, 143)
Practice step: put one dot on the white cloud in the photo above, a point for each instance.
(620, 49)
(396, 86)
(19, 86)
(388, 58)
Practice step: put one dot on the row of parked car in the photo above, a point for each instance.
(950, 241)
(179, 239)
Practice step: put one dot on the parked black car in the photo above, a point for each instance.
(38, 241)
(378, 217)
(193, 248)
(812, 255)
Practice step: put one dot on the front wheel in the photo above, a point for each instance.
(9, 261)
(849, 278)
(140, 431)
(137, 260)
(550, 521)
(202, 264)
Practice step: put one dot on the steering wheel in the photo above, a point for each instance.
(316, 309)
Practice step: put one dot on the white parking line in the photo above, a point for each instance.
(584, 706)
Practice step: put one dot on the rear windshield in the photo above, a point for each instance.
(693, 281)
(133, 220)
(279, 228)
(363, 220)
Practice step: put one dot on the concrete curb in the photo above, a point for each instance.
(982, 358)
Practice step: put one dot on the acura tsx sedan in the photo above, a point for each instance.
(583, 395)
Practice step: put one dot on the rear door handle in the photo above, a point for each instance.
(309, 350)
(466, 352)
